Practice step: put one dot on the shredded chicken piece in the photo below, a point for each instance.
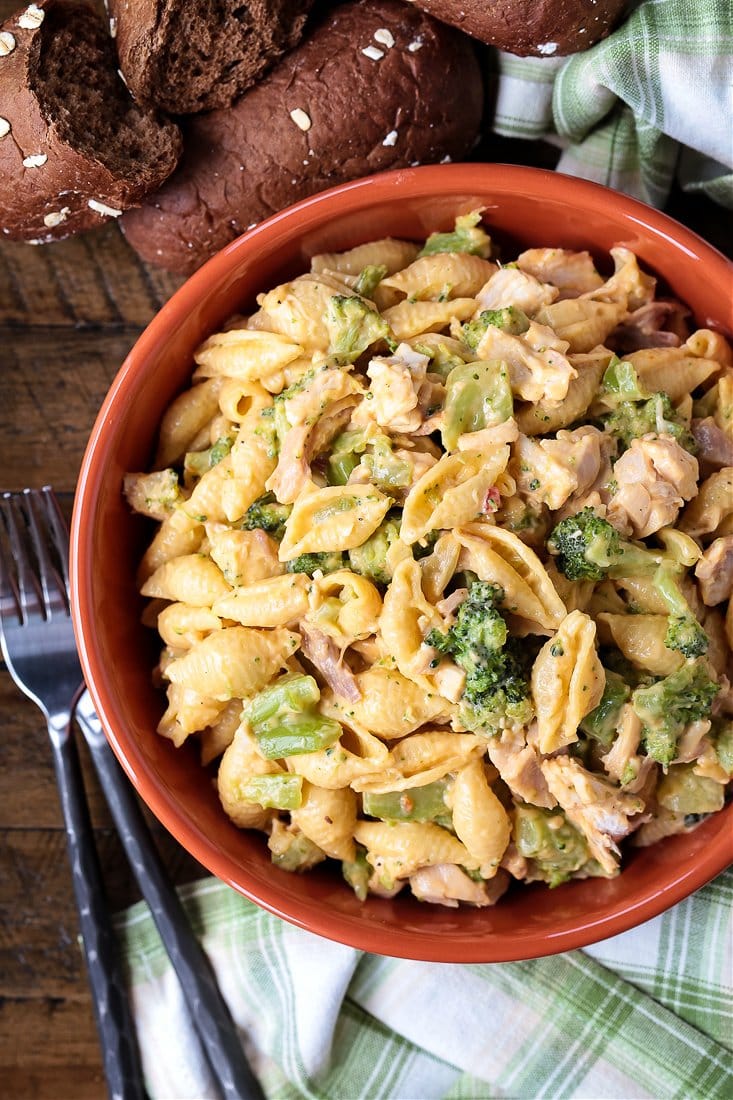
(486, 438)
(644, 328)
(655, 477)
(446, 884)
(323, 652)
(511, 287)
(714, 446)
(692, 742)
(513, 862)
(316, 415)
(600, 811)
(623, 751)
(714, 571)
(396, 381)
(518, 764)
(573, 273)
(664, 823)
(538, 367)
(550, 471)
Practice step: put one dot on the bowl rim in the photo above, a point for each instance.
(416, 183)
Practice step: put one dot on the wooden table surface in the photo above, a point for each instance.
(68, 315)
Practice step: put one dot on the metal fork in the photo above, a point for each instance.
(40, 652)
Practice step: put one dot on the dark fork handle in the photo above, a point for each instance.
(111, 1008)
(209, 1012)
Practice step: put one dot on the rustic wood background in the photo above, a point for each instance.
(69, 313)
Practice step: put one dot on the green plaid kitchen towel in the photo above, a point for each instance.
(645, 1014)
(652, 102)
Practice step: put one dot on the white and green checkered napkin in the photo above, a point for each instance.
(652, 101)
(645, 1014)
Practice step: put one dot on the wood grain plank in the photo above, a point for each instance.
(52, 383)
(49, 1048)
(92, 279)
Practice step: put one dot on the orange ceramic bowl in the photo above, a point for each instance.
(524, 207)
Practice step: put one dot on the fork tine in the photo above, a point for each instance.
(58, 531)
(9, 595)
(39, 513)
(30, 598)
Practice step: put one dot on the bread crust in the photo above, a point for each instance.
(50, 189)
(541, 28)
(420, 101)
(183, 61)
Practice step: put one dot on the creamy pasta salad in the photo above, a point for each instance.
(443, 566)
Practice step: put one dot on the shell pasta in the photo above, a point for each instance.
(443, 566)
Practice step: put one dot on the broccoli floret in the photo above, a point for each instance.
(588, 547)
(497, 685)
(386, 469)
(466, 237)
(631, 420)
(684, 632)
(547, 838)
(267, 515)
(198, 462)
(510, 319)
(352, 327)
(369, 279)
(668, 705)
(370, 559)
(328, 562)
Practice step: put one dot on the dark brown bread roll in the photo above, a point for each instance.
(74, 148)
(376, 85)
(544, 28)
(185, 56)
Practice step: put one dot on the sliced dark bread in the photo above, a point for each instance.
(185, 56)
(75, 149)
(376, 85)
(541, 28)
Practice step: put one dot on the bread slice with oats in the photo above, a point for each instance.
(75, 149)
(186, 56)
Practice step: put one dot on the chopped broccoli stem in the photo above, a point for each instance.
(352, 327)
(285, 721)
(267, 515)
(328, 562)
(497, 686)
(621, 383)
(198, 462)
(588, 547)
(346, 452)
(601, 723)
(550, 841)
(667, 706)
(723, 741)
(684, 632)
(478, 395)
(414, 804)
(279, 792)
(370, 559)
(684, 792)
(357, 873)
(369, 279)
(467, 236)
(386, 469)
